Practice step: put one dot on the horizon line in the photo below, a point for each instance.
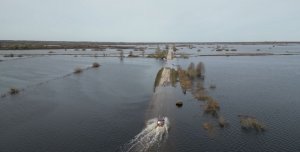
(85, 41)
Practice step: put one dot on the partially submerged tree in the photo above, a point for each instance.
(143, 53)
(200, 69)
(174, 48)
(167, 47)
(191, 71)
(130, 53)
(121, 54)
(158, 48)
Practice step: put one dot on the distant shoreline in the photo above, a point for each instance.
(31, 45)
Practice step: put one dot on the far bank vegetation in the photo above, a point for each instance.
(159, 54)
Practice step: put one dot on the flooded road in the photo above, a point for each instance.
(153, 136)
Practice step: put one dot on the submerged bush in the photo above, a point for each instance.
(185, 56)
(191, 46)
(207, 126)
(3, 95)
(13, 91)
(222, 122)
(212, 107)
(8, 55)
(132, 55)
(95, 65)
(248, 122)
(179, 103)
(212, 86)
(200, 94)
(78, 70)
(185, 81)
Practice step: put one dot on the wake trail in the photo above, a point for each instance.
(150, 138)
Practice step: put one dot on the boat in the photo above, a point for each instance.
(160, 122)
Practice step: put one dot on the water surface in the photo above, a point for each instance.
(104, 109)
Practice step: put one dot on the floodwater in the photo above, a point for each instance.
(115, 107)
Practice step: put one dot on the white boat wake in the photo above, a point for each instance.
(150, 138)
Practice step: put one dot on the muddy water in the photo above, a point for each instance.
(104, 109)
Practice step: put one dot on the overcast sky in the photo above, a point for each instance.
(150, 20)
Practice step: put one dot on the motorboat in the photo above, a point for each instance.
(160, 122)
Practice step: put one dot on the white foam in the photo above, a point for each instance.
(150, 138)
